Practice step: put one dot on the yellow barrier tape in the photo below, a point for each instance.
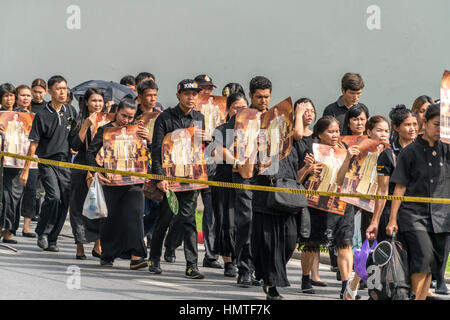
(222, 184)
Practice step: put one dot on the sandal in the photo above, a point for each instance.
(350, 292)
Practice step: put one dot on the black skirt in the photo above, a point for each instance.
(84, 230)
(12, 193)
(223, 207)
(274, 238)
(330, 230)
(30, 199)
(122, 232)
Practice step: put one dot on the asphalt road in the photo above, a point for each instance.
(35, 274)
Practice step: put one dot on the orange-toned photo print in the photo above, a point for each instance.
(445, 107)
(102, 119)
(332, 158)
(148, 120)
(214, 109)
(246, 132)
(362, 176)
(15, 127)
(183, 158)
(276, 135)
(124, 150)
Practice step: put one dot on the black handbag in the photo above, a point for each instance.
(285, 202)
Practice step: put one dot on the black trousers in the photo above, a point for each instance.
(243, 222)
(56, 182)
(84, 230)
(12, 192)
(30, 201)
(174, 237)
(122, 232)
(187, 201)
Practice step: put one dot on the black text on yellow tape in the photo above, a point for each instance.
(222, 184)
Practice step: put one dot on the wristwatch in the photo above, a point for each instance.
(236, 162)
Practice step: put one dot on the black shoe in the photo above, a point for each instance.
(52, 248)
(338, 275)
(319, 283)
(106, 263)
(255, 283)
(433, 298)
(443, 291)
(82, 257)
(192, 272)
(278, 297)
(244, 280)
(95, 254)
(212, 264)
(138, 264)
(29, 234)
(154, 267)
(42, 241)
(230, 270)
(307, 285)
(169, 255)
(11, 241)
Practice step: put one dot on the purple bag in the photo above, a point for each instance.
(361, 255)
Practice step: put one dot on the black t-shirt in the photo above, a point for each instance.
(51, 130)
(425, 171)
(221, 138)
(36, 107)
(386, 163)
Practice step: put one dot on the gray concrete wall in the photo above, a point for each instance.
(304, 47)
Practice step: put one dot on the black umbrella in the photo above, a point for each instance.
(113, 91)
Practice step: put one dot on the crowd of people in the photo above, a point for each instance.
(254, 240)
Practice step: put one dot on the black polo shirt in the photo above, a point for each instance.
(338, 110)
(425, 171)
(51, 130)
(168, 121)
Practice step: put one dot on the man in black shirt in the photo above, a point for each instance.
(351, 87)
(49, 139)
(260, 93)
(181, 116)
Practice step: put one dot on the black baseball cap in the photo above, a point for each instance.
(188, 84)
(204, 80)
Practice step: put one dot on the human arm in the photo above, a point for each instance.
(395, 206)
(298, 126)
(382, 190)
(26, 168)
(351, 152)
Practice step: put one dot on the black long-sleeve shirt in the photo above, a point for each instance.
(78, 145)
(170, 120)
(95, 146)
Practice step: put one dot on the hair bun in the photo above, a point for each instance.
(397, 108)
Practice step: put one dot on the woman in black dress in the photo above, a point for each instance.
(423, 170)
(274, 232)
(305, 114)
(12, 188)
(84, 230)
(121, 233)
(335, 230)
(223, 198)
